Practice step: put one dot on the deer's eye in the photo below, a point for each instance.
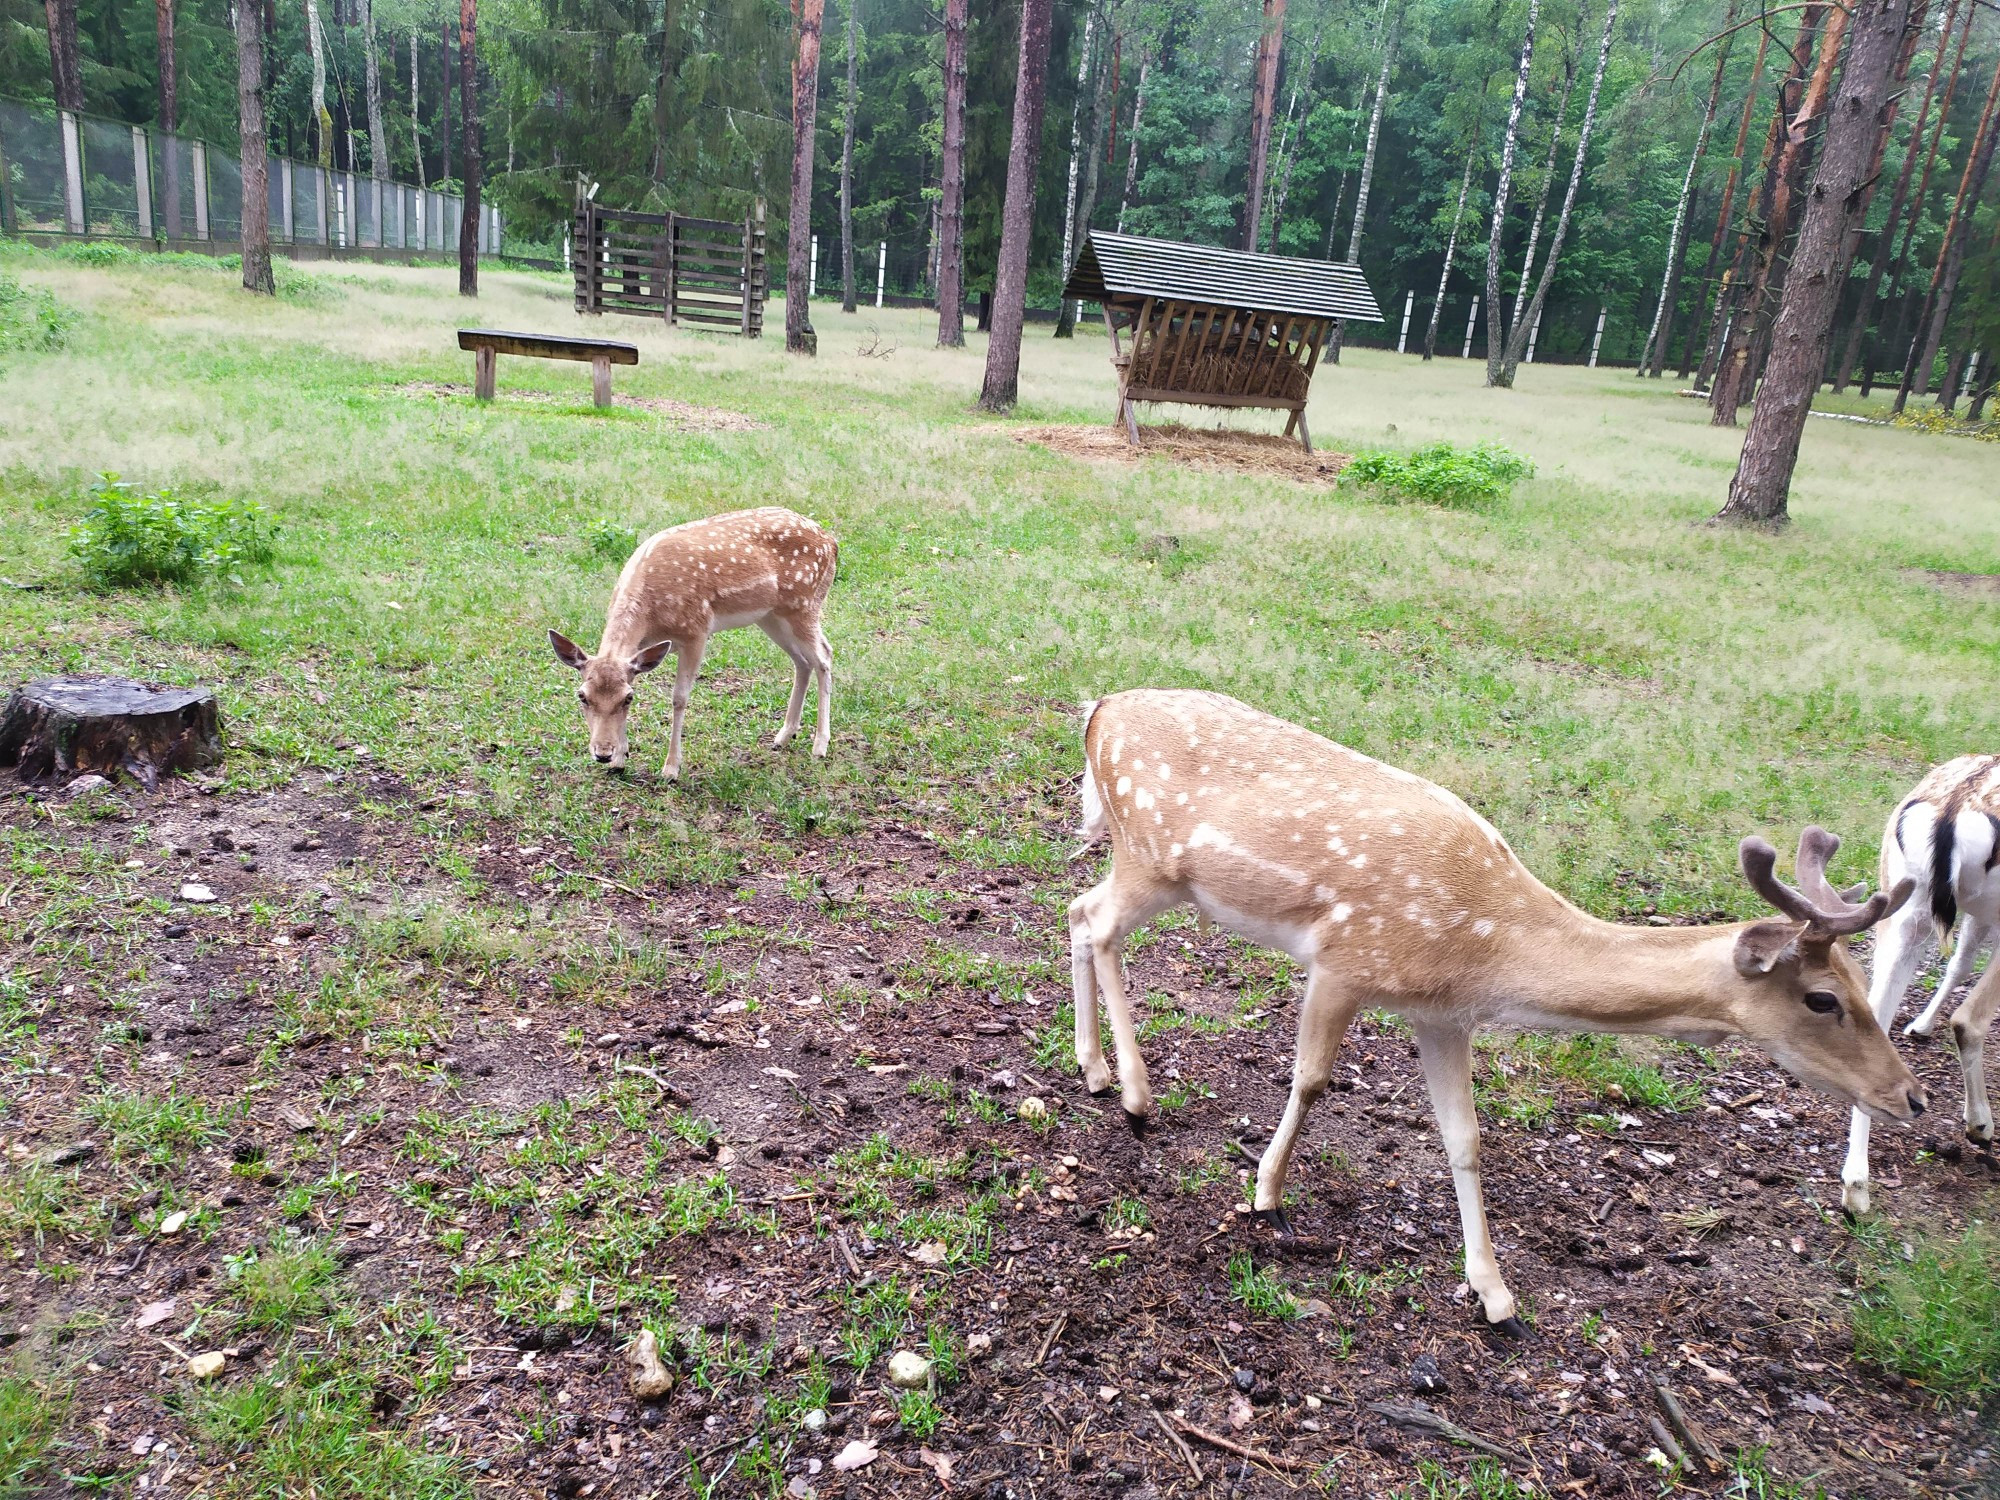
(1824, 1002)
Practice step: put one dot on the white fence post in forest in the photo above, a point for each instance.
(285, 200)
(142, 180)
(1403, 338)
(1598, 337)
(881, 270)
(72, 152)
(199, 153)
(1471, 317)
(1533, 334)
(812, 276)
(1970, 380)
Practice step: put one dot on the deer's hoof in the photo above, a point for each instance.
(1138, 1123)
(1276, 1221)
(1511, 1328)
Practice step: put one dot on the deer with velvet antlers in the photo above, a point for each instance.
(1944, 837)
(1393, 893)
(769, 567)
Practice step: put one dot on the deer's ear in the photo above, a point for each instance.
(651, 657)
(567, 651)
(1762, 946)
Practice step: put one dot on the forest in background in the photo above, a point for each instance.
(686, 105)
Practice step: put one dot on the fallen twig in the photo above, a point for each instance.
(847, 1254)
(1423, 1419)
(1180, 1446)
(1254, 1455)
(1664, 1440)
(1049, 1338)
(616, 885)
(1692, 1437)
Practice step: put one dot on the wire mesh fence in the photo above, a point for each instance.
(63, 173)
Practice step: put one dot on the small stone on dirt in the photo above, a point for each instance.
(233, 1057)
(1244, 1380)
(650, 1379)
(908, 1370)
(1425, 1376)
(196, 893)
(207, 1366)
(174, 1222)
(175, 930)
(67, 1156)
(814, 1420)
(1032, 1109)
(90, 782)
(856, 1455)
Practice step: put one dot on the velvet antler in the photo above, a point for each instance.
(1826, 909)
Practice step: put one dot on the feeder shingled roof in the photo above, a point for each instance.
(1125, 265)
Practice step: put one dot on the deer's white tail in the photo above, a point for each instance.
(1095, 827)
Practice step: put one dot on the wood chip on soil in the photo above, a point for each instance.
(1215, 449)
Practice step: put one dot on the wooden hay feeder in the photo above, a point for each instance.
(1203, 326)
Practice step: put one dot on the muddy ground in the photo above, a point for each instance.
(395, 1086)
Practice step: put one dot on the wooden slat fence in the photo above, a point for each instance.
(709, 273)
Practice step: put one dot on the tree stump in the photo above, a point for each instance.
(66, 726)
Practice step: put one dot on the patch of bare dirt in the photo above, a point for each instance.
(1972, 585)
(794, 1008)
(682, 414)
(1216, 448)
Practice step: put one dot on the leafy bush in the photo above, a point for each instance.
(610, 539)
(1441, 473)
(130, 537)
(97, 253)
(1929, 1308)
(31, 318)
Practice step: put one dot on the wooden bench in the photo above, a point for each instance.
(488, 344)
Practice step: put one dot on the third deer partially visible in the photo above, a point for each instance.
(1944, 836)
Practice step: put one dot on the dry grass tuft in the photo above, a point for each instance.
(683, 414)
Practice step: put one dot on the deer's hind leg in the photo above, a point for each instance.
(1969, 1026)
(786, 634)
(1099, 922)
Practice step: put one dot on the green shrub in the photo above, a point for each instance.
(130, 537)
(1441, 473)
(610, 539)
(1929, 1308)
(31, 318)
(97, 253)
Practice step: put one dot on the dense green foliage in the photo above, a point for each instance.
(1441, 473)
(30, 318)
(1930, 1309)
(130, 537)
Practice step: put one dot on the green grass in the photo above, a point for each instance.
(1263, 1293)
(284, 1283)
(1483, 1479)
(1929, 1308)
(1516, 1077)
(1561, 657)
(31, 1412)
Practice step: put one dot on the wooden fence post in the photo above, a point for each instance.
(881, 271)
(1471, 317)
(198, 155)
(142, 181)
(72, 153)
(1597, 339)
(1403, 338)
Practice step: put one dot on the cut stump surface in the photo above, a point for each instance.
(66, 726)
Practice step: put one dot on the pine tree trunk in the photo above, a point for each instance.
(1756, 258)
(1450, 248)
(1132, 152)
(468, 134)
(1653, 356)
(65, 54)
(170, 158)
(1524, 327)
(1086, 203)
(256, 165)
(1495, 345)
(1288, 152)
(416, 120)
(799, 335)
(378, 133)
(1864, 312)
(322, 121)
(1983, 392)
(1542, 198)
(951, 171)
(1066, 313)
(444, 108)
(1263, 104)
(847, 169)
(1951, 254)
(1954, 371)
(1002, 384)
(1712, 347)
(1374, 139)
(1762, 485)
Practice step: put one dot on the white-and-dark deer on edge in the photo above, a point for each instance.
(1395, 894)
(769, 567)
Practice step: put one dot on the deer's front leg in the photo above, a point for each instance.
(1899, 953)
(1447, 1061)
(1323, 1019)
(687, 666)
(1083, 974)
(1111, 911)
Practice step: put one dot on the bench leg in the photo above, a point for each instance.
(600, 380)
(1305, 432)
(483, 361)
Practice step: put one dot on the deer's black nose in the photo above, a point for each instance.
(1916, 1105)
(603, 760)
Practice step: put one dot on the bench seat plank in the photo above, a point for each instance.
(546, 346)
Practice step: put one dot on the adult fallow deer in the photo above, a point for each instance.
(768, 567)
(1945, 837)
(1395, 894)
